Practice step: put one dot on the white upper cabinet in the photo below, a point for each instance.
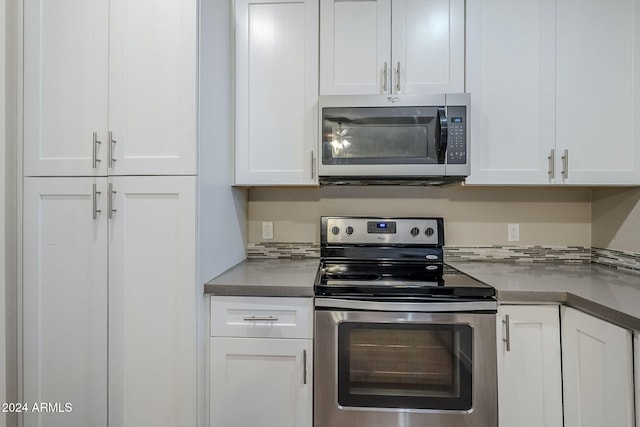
(355, 47)
(110, 87)
(276, 92)
(152, 86)
(66, 91)
(510, 75)
(555, 98)
(598, 92)
(391, 46)
(427, 49)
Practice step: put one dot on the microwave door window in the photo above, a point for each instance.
(380, 136)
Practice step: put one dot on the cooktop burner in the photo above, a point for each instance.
(398, 280)
(390, 257)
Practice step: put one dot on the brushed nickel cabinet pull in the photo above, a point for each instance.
(313, 166)
(565, 164)
(111, 149)
(261, 319)
(507, 332)
(552, 163)
(110, 208)
(304, 365)
(385, 87)
(95, 159)
(398, 78)
(94, 199)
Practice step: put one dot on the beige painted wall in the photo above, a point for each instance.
(473, 215)
(616, 219)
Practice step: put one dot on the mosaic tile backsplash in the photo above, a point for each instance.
(617, 259)
(272, 250)
(524, 254)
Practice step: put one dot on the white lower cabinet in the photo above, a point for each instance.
(597, 372)
(256, 378)
(636, 370)
(64, 294)
(109, 301)
(152, 302)
(529, 371)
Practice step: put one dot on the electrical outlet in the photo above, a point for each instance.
(267, 230)
(513, 232)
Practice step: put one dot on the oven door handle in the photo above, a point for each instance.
(425, 307)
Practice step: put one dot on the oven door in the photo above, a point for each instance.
(394, 368)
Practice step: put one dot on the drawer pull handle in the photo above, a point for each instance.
(261, 319)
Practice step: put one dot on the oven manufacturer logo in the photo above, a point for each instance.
(393, 99)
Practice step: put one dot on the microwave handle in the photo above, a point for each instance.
(442, 134)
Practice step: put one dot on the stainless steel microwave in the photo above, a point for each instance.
(379, 139)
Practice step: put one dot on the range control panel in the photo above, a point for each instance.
(372, 230)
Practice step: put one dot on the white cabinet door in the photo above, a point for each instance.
(119, 68)
(64, 317)
(427, 52)
(152, 302)
(636, 370)
(355, 45)
(276, 92)
(597, 372)
(65, 86)
(511, 78)
(598, 95)
(391, 46)
(152, 87)
(261, 382)
(529, 372)
(545, 109)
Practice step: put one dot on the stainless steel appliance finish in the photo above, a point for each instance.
(330, 412)
(376, 139)
(401, 339)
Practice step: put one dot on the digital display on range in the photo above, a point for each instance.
(381, 227)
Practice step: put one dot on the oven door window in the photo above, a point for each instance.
(383, 135)
(412, 366)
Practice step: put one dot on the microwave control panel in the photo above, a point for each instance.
(457, 143)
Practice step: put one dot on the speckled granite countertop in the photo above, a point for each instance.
(605, 292)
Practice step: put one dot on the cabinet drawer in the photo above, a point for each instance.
(261, 317)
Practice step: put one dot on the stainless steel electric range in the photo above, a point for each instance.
(401, 338)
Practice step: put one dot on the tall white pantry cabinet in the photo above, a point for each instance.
(109, 295)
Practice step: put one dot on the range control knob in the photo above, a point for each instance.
(335, 230)
(349, 230)
(429, 231)
(415, 231)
